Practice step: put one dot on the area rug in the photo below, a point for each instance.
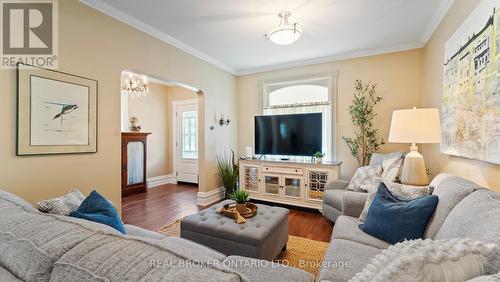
(300, 252)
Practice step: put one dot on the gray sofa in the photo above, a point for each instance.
(42, 247)
(337, 200)
(464, 210)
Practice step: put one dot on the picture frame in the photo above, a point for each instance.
(56, 112)
(470, 108)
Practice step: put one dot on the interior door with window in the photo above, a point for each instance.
(186, 140)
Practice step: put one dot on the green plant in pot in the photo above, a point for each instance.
(228, 173)
(365, 140)
(241, 198)
(318, 156)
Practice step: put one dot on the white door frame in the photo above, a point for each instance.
(174, 132)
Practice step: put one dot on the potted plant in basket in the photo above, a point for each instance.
(241, 198)
(318, 157)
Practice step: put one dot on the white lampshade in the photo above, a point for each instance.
(415, 126)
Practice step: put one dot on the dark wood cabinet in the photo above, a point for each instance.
(134, 162)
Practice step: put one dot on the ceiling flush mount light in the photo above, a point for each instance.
(285, 33)
(135, 87)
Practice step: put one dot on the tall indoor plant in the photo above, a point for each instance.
(228, 173)
(365, 141)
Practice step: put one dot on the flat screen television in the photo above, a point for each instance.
(290, 135)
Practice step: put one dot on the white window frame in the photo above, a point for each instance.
(195, 134)
(332, 127)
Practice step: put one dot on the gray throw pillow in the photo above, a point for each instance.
(391, 168)
(364, 177)
(402, 191)
(63, 205)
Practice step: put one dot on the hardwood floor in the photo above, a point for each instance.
(164, 204)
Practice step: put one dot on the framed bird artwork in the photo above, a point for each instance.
(56, 112)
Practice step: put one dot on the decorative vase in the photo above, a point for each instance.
(241, 208)
(319, 160)
(134, 124)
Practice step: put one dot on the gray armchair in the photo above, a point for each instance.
(338, 201)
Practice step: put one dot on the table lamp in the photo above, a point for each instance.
(415, 126)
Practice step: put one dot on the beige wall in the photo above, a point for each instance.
(153, 115)
(398, 76)
(483, 173)
(97, 46)
(176, 93)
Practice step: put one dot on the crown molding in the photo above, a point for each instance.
(436, 19)
(329, 59)
(146, 28)
(111, 11)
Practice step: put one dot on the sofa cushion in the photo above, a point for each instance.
(486, 278)
(7, 276)
(334, 198)
(14, 199)
(346, 227)
(353, 203)
(391, 166)
(104, 257)
(403, 191)
(29, 235)
(63, 205)
(345, 258)
(364, 177)
(378, 158)
(393, 219)
(477, 217)
(450, 191)
(268, 271)
(428, 260)
(97, 209)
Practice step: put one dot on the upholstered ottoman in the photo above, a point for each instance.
(261, 237)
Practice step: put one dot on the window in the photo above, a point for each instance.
(300, 97)
(189, 131)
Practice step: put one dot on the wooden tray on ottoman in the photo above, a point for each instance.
(229, 210)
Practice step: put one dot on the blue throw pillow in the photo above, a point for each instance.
(96, 208)
(394, 220)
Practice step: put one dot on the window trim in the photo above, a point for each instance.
(331, 79)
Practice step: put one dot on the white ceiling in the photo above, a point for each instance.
(230, 33)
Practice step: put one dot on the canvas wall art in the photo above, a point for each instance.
(57, 112)
(470, 111)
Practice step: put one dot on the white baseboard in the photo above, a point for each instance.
(210, 197)
(161, 180)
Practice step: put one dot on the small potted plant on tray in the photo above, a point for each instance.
(318, 157)
(241, 198)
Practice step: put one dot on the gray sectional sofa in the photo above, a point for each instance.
(41, 247)
(464, 210)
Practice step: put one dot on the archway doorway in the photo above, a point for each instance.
(171, 115)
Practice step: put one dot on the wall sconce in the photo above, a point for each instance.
(223, 121)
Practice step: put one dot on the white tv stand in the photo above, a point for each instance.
(287, 182)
